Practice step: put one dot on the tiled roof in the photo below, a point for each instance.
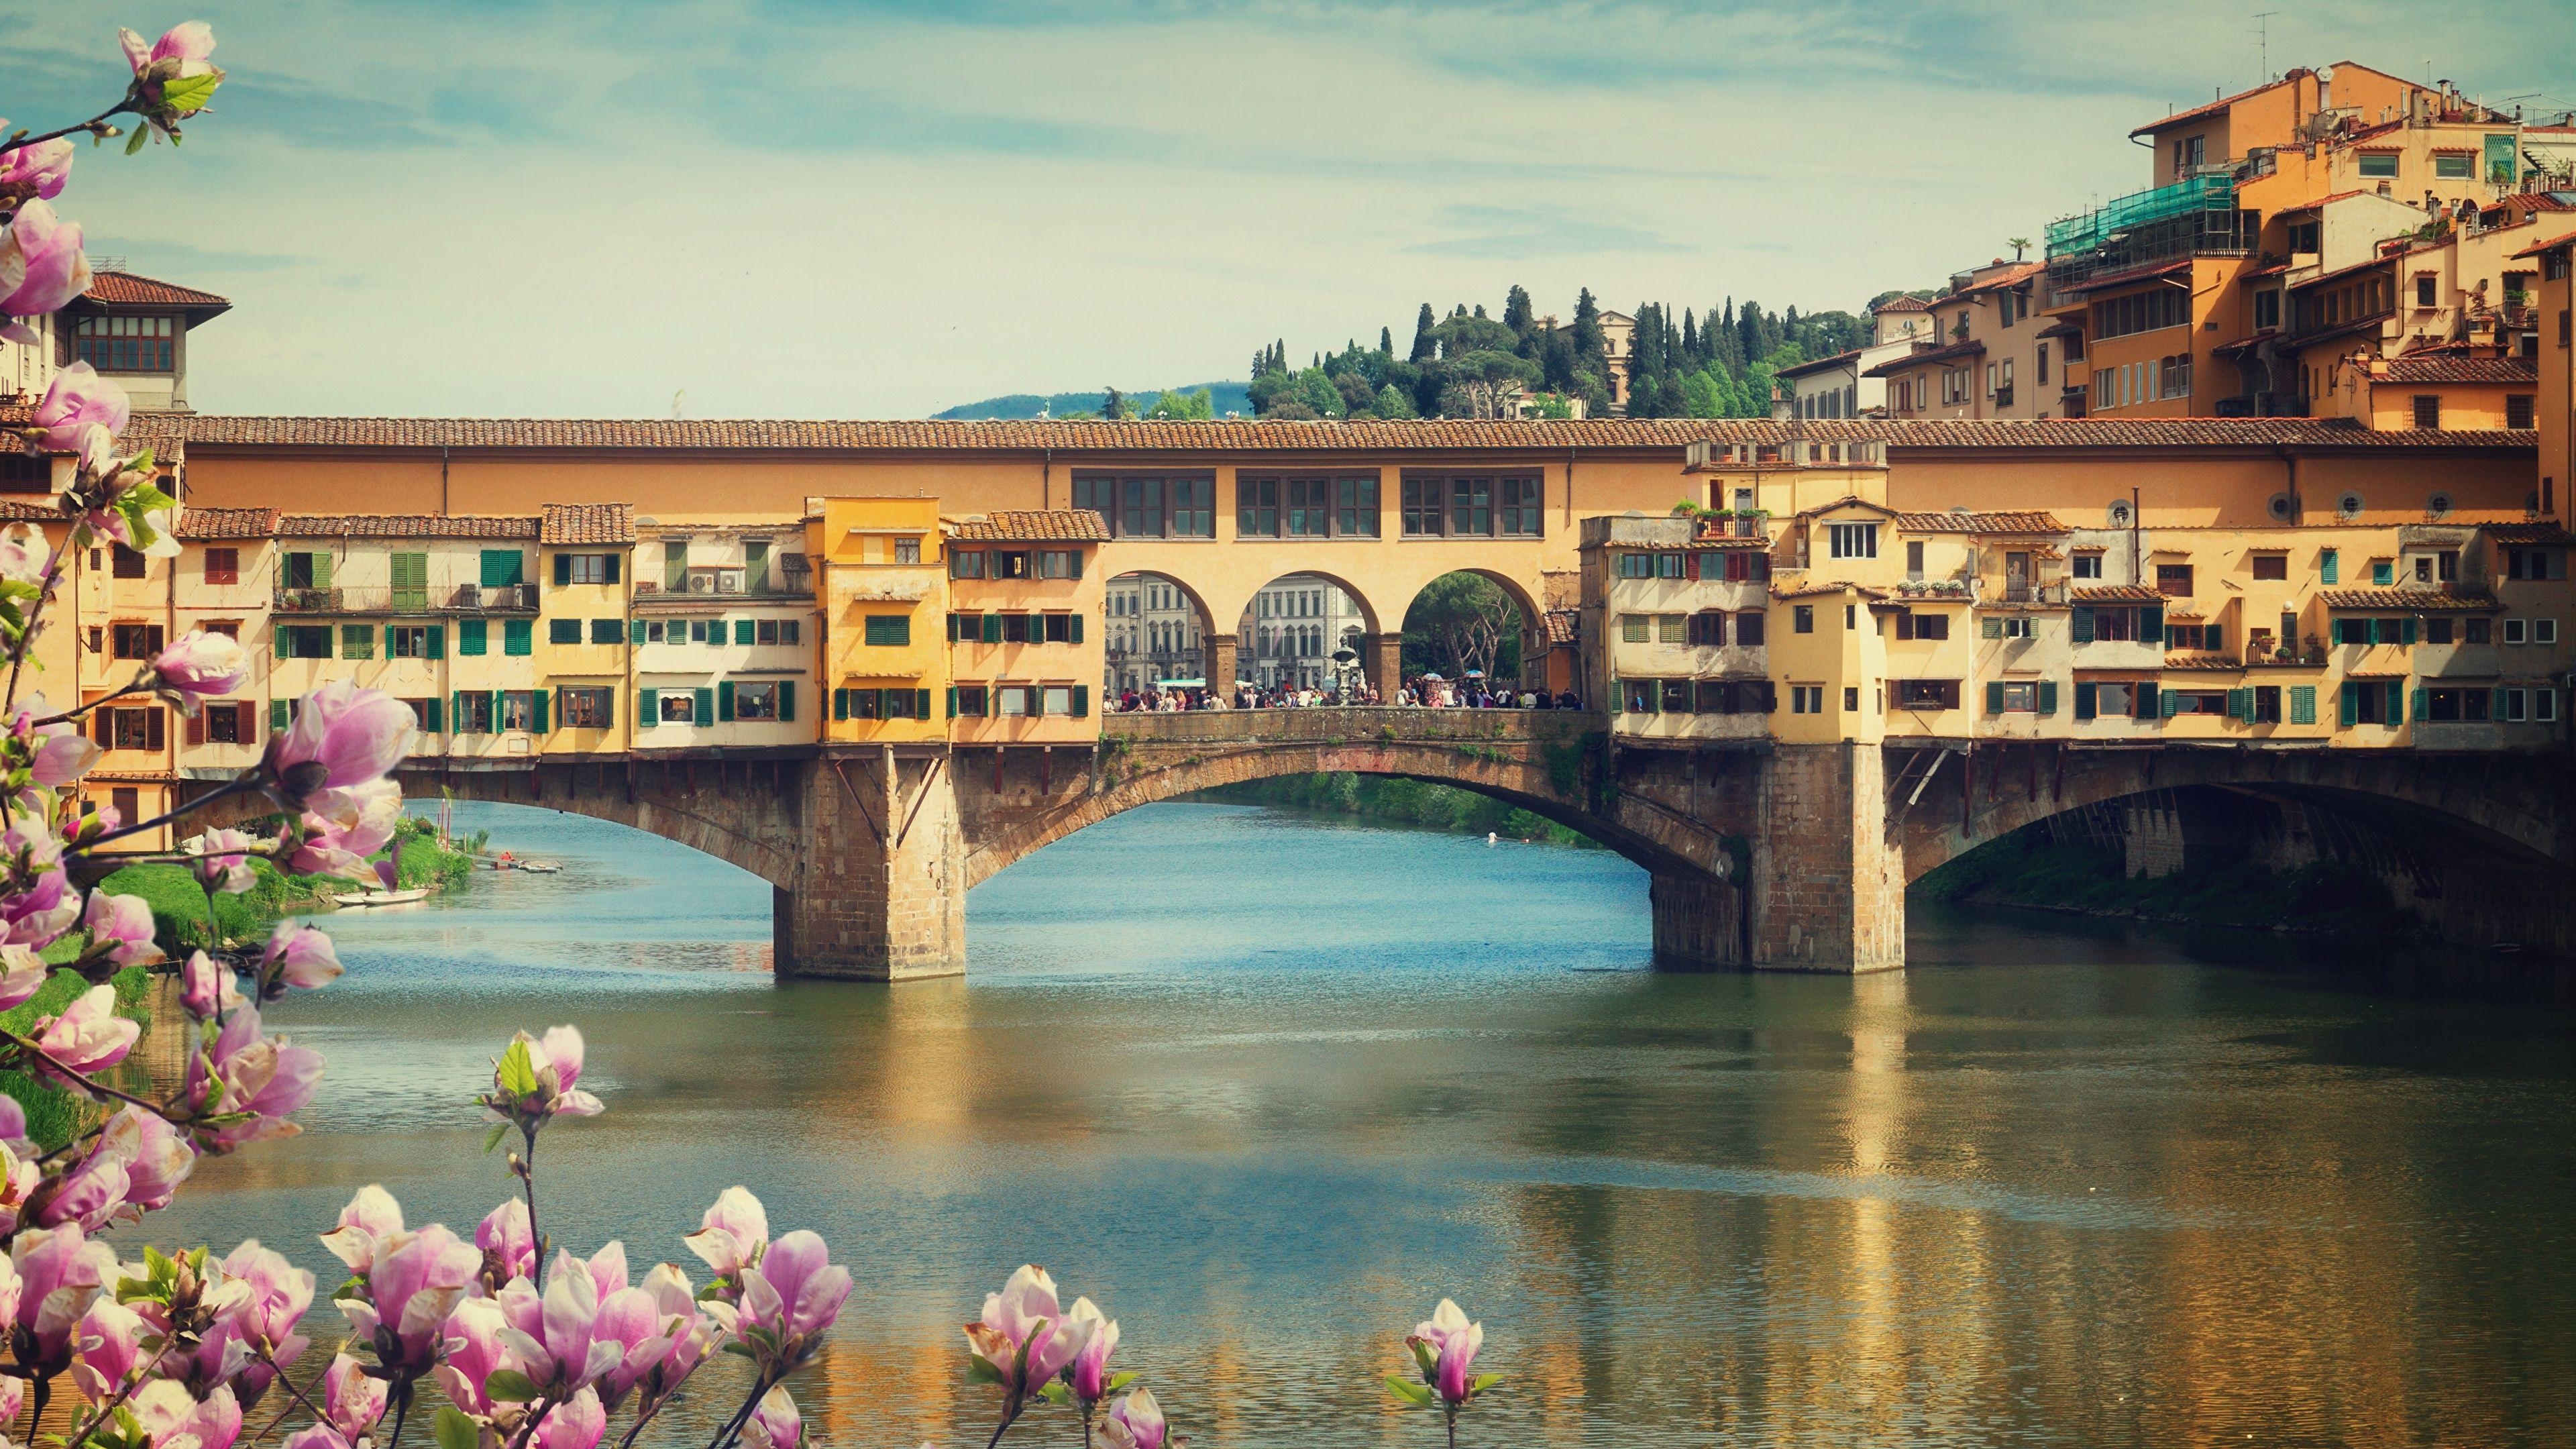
(2445, 367)
(2117, 594)
(2017, 522)
(2202, 661)
(2551, 245)
(204, 523)
(1024, 525)
(2327, 200)
(2206, 108)
(1253, 435)
(13, 511)
(1798, 590)
(2014, 276)
(2130, 275)
(409, 525)
(1895, 365)
(1903, 304)
(2538, 531)
(2428, 600)
(1848, 500)
(1562, 625)
(1820, 364)
(588, 523)
(125, 288)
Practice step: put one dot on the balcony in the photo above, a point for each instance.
(708, 585)
(431, 599)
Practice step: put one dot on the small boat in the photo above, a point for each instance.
(381, 898)
(541, 867)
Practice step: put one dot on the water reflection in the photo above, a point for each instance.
(1267, 1087)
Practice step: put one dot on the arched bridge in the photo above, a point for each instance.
(1763, 854)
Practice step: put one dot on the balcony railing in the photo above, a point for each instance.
(797, 585)
(433, 599)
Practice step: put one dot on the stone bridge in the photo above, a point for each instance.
(1762, 854)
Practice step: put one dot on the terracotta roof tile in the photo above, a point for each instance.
(2010, 277)
(1820, 364)
(227, 523)
(13, 511)
(1799, 590)
(1029, 525)
(2015, 523)
(2129, 275)
(127, 289)
(588, 523)
(2427, 600)
(2117, 594)
(2551, 245)
(413, 525)
(1563, 625)
(1903, 304)
(2537, 531)
(2202, 661)
(1926, 357)
(1253, 435)
(2205, 108)
(2442, 367)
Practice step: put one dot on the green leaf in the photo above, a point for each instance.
(134, 142)
(1482, 1382)
(189, 93)
(1057, 1392)
(1120, 1381)
(1423, 1355)
(456, 1431)
(739, 1347)
(980, 1370)
(356, 1287)
(1418, 1395)
(516, 1074)
(492, 1138)
(512, 1385)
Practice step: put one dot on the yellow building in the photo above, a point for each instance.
(882, 601)
(581, 628)
(1024, 626)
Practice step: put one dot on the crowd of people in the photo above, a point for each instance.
(1424, 692)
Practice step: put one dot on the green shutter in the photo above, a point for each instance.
(1077, 629)
(2146, 708)
(2418, 711)
(992, 628)
(2240, 705)
(840, 704)
(2303, 704)
(410, 573)
(635, 632)
(2048, 696)
(2213, 637)
(1994, 694)
(648, 709)
(724, 699)
(1076, 556)
(921, 704)
(742, 631)
(1991, 628)
(2383, 574)
(616, 566)
(1081, 692)
(952, 701)
(519, 636)
(538, 699)
(2151, 623)
(432, 707)
(786, 700)
(563, 569)
(2084, 708)
(496, 711)
(473, 637)
(2080, 622)
(277, 716)
(2168, 704)
(2329, 567)
(2397, 702)
(501, 567)
(456, 707)
(2406, 630)
(2351, 704)
(438, 641)
(2335, 631)
(706, 707)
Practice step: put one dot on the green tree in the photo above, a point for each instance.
(1385, 342)
(1425, 346)
(1316, 391)
(1173, 405)
(1393, 403)
(1462, 622)
(1518, 314)
(1114, 406)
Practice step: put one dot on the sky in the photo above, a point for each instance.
(791, 208)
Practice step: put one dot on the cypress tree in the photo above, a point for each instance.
(1690, 338)
(1518, 314)
(1386, 342)
(1422, 343)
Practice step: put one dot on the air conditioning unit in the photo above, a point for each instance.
(702, 583)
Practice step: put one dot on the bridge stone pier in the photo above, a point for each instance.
(1763, 855)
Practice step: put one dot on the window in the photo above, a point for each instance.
(1256, 507)
(2271, 566)
(584, 568)
(1914, 558)
(2200, 638)
(1059, 563)
(225, 724)
(128, 344)
(1671, 566)
(1672, 629)
(127, 564)
(2428, 410)
(587, 709)
(972, 701)
(1911, 625)
(134, 729)
(607, 631)
(407, 641)
(2174, 580)
(473, 710)
(2454, 168)
(1802, 619)
(563, 631)
(1706, 628)
(2518, 410)
(1806, 699)
(756, 701)
(2267, 704)
(1011, 564)
(1636, 628)
(1014, 699)
(1355, 507)
(1015, 628)
(2515, 631)
(1748, 627)
(1851, 540)
(2148, 311)
(2454, 705)
(889, 630)
(2544, 631)
(907, 550)
(304, 641)
(2379, 165)
(357, 641)
(1927, 694)
(2086, 564)
(223, 565)
(968, 564)
(229, 628)
(2195, 701)
(2437, 630)
(1150, 506)
(1518, 512)
(2535, 563)
(135, 641)
(1471, 507)
(2267, 309)
(675, 706)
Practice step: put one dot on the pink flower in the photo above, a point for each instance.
(79, 398)
(247, 1073)
(692, 1334)
(352, 1401)
(474, 1351)
(275, 1296)
(562, 1353)
(200, 663)
(22, 974)
(731, 1237)
(207, 987)
(173, 76)
(342, 737)
(38, 170)
(509, 1248)
(223, 861)
(315, 1436)
(39, 915)
(576, 1423)
(1445, 1346)
(173, 1418)
(41, 266)
(775, 1424)
(343, 827)
(20, 1176)
(1024, 1337)
(88, 1036)
(1136, 1422)
(533, 1081)
(792, 1298)
(58, 1273)
(107, 1348)
(299, 956)
(414, 1283)
(371, 1220)
(632, 1322)
(62, 755)
(1089, 1375)
(122, 924)
(137, 1161)
(193, 41)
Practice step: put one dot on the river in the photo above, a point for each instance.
(1268, 1086)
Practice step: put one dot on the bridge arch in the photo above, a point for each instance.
(1260, 653)
(1158, 626)
(1531, 644)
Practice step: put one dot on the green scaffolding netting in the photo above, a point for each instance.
(2083, 233)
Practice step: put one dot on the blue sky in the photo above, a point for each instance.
(798, 208)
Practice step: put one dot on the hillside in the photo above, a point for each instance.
(1225, 396)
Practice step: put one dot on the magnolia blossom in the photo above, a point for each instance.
(1136, 1422)
(244, 1072)
(274, 1297)
(774, 1424)
(554, 1345)
(38, 170)
(207, 987)
(343, 827)
(299, 956)
(692, 1331)
(23, 555)
(222, 861)
(351, 1400)
(107, 1348)
(41, 266)
(315, 1436)
(1024, 1337)
(173, 1418)
(730, 1238)
(533, 1082)
(509, 1247)
(39, 915)
(412, 1282)
(58, 1273)
(79, 398)
(371, 1219)
(61, 754)
(342, 736)
(1448, 1344)
(577, 1423)
(472, 1352)
(20, 1176)
(173, 75)
(136, 1163)
(200, 663)
(1088, 1376)
(791, 1299)
(123, 926)
(22, 974)
(88, 1036)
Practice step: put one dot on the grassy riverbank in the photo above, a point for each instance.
(2027, 869)
(179, 903)
(1401, 802)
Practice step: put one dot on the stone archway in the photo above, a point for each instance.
(1530, 644)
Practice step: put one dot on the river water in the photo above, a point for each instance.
(1268, 1086)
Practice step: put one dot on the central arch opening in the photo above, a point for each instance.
(1156, 638)
(1303, 632)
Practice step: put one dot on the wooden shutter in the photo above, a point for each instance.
(473, 637)
(197, 728)
(321, 569)
(616, 567)
(155, 731)
(538, 700)
(2351, 704)
(518, 636)
(154, 640)
(1690, 567)
(2303, 704)
(648, 709)
(992, 628)
(840, 704)
(2396, 703)
(742, 631)
(921, 704)
(436, 709)
(952, 701)
(704, 712)
(438, 641)
(2147, 707)
(2240, 705)
(2329, 567)
(277, 720)
(635, 632)
(2048, 696)
(1077, 622)
(563, 570)
(500, 567)
(1905, 623)
(786, 699)
(2151, 623)
(2084, 698)
(99, 728)
(2169, 704)
(2080, 624)
(1990, 628)
(2406, 630)
(724, 699)
(1994, 696)
(1081, 698)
